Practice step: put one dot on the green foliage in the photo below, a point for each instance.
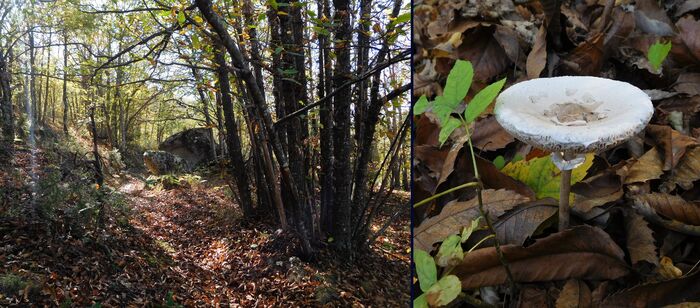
(543, 176)
(482, 100)
(425, 269)
(657, 53)
(444, 291)
(456, 87)
(170, 300)
(499, 162)
(11, 284)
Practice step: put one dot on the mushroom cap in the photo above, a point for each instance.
(573, 114)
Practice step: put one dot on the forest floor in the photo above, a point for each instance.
(186, 245)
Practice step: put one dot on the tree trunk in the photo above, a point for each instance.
(234, 143)
(65, 83)
(258, 98)
(32, 79)
(8, 126)
(45, 102)
(326, 131)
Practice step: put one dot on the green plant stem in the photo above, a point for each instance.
(484, 213)
(438, 195)
(481, 241)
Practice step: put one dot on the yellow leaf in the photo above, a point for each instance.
(543, 176)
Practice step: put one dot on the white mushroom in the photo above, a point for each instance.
(571, 116)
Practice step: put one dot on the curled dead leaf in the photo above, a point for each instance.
(582, 252)
(458, 214)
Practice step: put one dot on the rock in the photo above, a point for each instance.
(192, 145)
(325, 294)
(161, 162)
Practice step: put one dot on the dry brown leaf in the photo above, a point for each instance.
(481, 48)
(586, 58)
(495, 179)
(582, 252)
(688, 83)
(689, 30)
(597, 190)
(648, 167)
(687, 171)
(508, 39)
(657, 294)
(686, 304)
(490, 136)
(642, 207)
(673, 207)
(458, 214)
(574, 294)
(640, 240)
(537, 59)
(671, 142)
(516, 225)
(533, 297)
(667, 270)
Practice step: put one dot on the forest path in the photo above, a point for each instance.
(219, 261)
(222, 259)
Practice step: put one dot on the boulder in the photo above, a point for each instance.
(192, 145)
(161, 162)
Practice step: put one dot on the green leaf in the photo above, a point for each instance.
(543, 176)
(420, 302)
(657, 53)
(442, 109)
(321, 31)
(447, 129)
(421, 105)
(425, 269)
(400, 19)
(444, 291)
(517, 158)
(195, 41)
(467, 232)
(499, 162)
(482, 100)
(458, 82)
(450, 252)
(181, 18)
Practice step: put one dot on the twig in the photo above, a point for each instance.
(483, 213)
(438, 195)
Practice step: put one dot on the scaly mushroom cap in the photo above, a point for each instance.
(574, 114)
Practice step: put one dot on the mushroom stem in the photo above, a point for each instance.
(564, 200)
(564, 190)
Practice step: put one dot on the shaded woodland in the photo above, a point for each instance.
(304, 105)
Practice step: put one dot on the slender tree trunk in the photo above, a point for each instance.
(65, 83)
(32, 78)
(361, 189)
(205, 109)
(234, 143)
(8, 128)
(45, 102)
(326, 131)
(258, 98)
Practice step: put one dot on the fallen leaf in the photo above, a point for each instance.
(582, 252)
(643, 207)
(533, 297)
(688, 29)
(687, 171)
(640, 240)
(657, 294)
(543, 176)
(458, 214)
(489, 135)
(485, 53)
(673, 207)
(688, 83)
(516, 225)
(648, 167)
(574, 294)
(671, 142)
(597, 190)
(537, 58)
(667, 270)
(586, 58)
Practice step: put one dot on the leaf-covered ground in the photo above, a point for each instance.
(187, 244)
(635, 216)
